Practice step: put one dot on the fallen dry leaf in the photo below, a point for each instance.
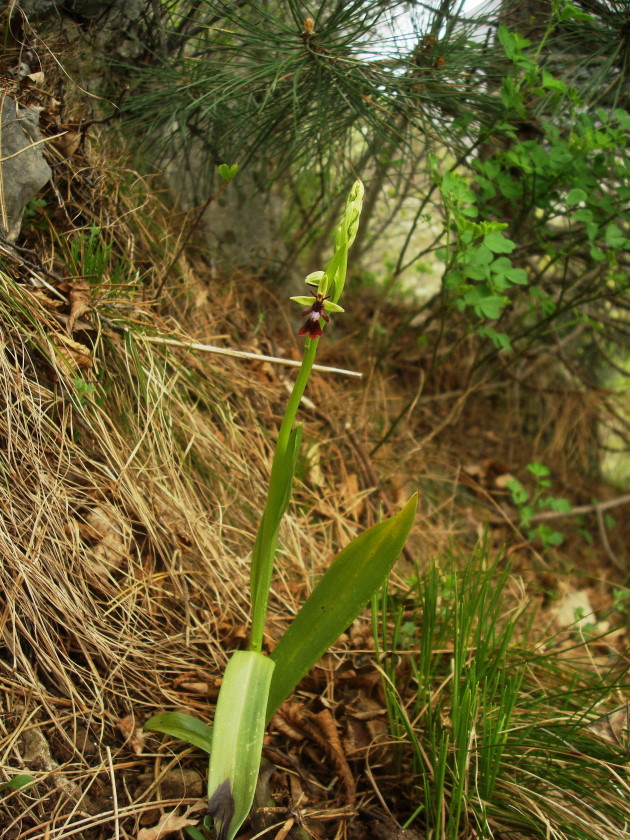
(315, 474)
(37, 78)
(80, 302)
(196, 682)
(68, 143)
(133, 734)
(167, 825)
(74, 352)
(51, 304)
(613, 727)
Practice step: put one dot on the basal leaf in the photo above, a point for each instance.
(239, 728)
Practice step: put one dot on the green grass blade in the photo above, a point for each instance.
(347, 586)
(185, 727)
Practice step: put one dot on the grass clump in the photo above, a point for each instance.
(499, 733)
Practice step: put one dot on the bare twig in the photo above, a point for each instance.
(243, 354)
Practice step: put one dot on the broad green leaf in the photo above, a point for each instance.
(491, 306)
(479, 256)
(239, 728)
(559, 505)
(349, 583)
(485, 304)
(500, 340)
(193, 832)
(185, 727)
(538, 469)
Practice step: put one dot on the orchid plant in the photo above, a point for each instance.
(255, 685)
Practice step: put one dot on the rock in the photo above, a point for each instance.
(87, 9)
(24, 170)
(111, 27)
(242, 225)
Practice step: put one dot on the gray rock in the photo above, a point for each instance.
(112, 27)
(242, 225)
(24, 170)
(87, 9)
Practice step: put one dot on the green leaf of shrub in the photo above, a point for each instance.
(500, 340)
(559, 505)
(498, 243)
(614, 237)
(538, 469)
(185, 727)
(348, 584)
(551, 83)
(517, 275)
(576, 196)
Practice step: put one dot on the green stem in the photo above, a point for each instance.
(310, 349)
(267, 542)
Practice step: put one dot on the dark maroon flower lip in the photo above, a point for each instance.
(313, 316)
(318, 309)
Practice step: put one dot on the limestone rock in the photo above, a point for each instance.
(24, 170)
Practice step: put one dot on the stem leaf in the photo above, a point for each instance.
(349, 583)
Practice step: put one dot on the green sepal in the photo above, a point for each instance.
(316, 278)
(185, 727)
(239, 728)
(351, 580)
(329, 306)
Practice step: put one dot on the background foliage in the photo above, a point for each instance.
(495, 139)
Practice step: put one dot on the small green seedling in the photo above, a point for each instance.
(255, 685)
(530, 504)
